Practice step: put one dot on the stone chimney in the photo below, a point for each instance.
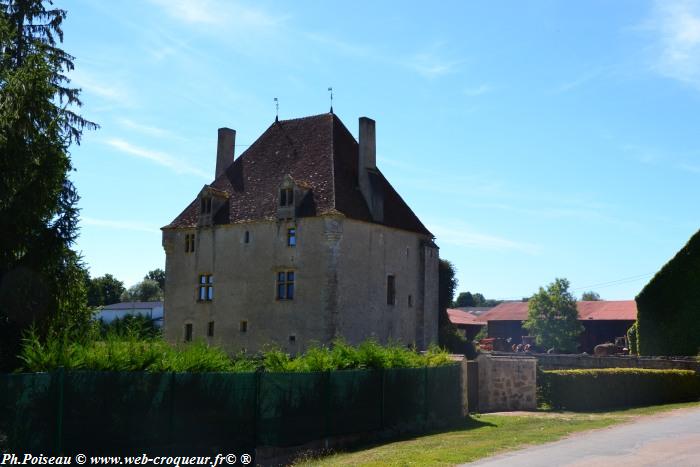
(369, 179)
(224, 149)
(368, 144)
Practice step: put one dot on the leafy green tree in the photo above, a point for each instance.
(479, 299)
(553, 318)
(145, 291)
(104, 290)
(41, 278)
(590, 296)
(464, 299)
(447, 284)
(157, 275)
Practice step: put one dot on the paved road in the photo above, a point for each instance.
(671, 439)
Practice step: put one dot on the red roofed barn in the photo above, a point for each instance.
(300, 239)
(602, 320)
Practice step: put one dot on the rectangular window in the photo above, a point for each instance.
(206, 288)
(205, 206)
(188, 332)
(243, 326)
(410, 300)
(286, 197)
(285, 285)
(292, 237)
(246, 237)
(292, 339)
(390, 290)
(210, 329)
(189, 243)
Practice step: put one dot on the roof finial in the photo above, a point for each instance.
(330, 89)
(277, 110)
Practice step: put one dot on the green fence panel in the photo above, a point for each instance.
(291, 408)
(354, 401)
(404, 399)
(213, 412)
(28, 413)
(444, 395)
(116, 412)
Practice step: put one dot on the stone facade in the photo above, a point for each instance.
(507, 383)
(361, 268)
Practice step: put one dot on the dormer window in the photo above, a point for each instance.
(286, 197)
(205, 205)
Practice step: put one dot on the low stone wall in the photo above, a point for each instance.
(506, 382)
(580, 361)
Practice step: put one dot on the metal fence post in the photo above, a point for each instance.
(171, 441)
(327, 404)
(59, 410)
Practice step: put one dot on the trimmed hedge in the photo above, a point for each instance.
(617, 387)
(668, 307)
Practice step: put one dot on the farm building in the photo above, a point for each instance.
(602, 320)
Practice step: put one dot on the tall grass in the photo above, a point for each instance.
(125, 351)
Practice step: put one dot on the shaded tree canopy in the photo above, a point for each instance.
(157, 275)
(145, 291)
(104, 290)
(464, 299)
(476, 299)
(590, 296)
(41, 278)
(553, 317)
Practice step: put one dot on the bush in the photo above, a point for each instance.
(131, 352)
(667, 307)
(617, 387)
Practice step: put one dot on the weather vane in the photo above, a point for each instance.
(277, 110)
(331, 91)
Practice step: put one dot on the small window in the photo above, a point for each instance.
(205, 207)
(243, 326)
(292, 237)
(285, 285)
(246, 237)
(210, 329)
(410, 300)
(286, 197)
(390, 290)
(189, 243)
(188, 332)
(292, 339)
(206, 288)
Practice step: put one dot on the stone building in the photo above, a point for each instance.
(301, 239)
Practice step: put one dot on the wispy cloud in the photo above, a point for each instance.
(234, 15)
(161, 158)
(101, 87)
(467, 238)
(579, 81)
(689, 168)
(677, 25)
(145, 129)
(431, 64)
(119, 224)
(478, 90)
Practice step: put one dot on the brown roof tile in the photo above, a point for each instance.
(589, 310)
(320, 154)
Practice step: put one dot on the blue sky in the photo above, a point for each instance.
(534, 139)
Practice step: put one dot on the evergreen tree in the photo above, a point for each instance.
(41, 278)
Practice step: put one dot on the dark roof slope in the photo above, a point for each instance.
(320, 154)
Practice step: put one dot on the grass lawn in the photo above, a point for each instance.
(485, 435)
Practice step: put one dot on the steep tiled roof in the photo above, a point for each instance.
(462, 317)
(320, 154)
(593, 310)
